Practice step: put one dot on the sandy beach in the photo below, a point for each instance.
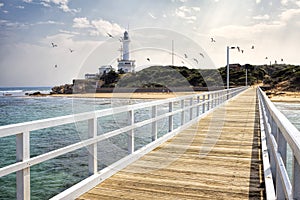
(289, 97)
(152, 95)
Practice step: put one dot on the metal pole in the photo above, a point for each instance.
(246, 77)
(227, 67)
(172, 52)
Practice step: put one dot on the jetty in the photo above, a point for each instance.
(229, 144)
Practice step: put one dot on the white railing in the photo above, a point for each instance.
(277, 133)
(198, 103)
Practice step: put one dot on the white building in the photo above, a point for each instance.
(125, 63)
(90, 76)
(105, 69)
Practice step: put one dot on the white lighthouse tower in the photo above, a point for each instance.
(125, 64)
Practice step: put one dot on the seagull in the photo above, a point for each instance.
(54, 45)
(201, 54)
(71, 50)
(238, 48)
(185, 56)
(195, 60)
(109, 35)
(148, 59)
(213, 40)
(252, 47)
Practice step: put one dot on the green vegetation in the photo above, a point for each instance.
(284, 77)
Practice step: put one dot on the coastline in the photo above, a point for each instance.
(288, 97)
(148, 95)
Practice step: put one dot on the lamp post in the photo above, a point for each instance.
(228, 48)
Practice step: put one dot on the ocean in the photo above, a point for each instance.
(54, 176)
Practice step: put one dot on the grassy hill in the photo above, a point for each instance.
(282, 77)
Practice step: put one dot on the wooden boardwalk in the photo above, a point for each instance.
(218, 158)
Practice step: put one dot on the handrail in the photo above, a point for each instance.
(209, 100)
(280, 132)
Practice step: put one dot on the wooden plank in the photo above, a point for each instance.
(231, 169)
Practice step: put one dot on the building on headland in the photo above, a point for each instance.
(105, 69)
(125, 64)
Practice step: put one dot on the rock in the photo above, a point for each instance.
(62, 89)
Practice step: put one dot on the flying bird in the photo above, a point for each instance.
(201, 54)
(238, 48)
(71, 50)
(55, 66)
(242, 51)
(195, 60)
(54, 45)
(185, 56)
(281, 59)
(266, 58)
(109, 35)
(213, 40)
(252, 47)
(182, 62)
(148, 59)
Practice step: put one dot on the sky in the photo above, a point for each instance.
(29, 27)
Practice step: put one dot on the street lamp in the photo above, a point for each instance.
(228, 48)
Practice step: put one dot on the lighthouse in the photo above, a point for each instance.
(125, 64)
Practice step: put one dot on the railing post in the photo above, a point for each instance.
(182, 113)
(191, 109)
(170, 117)
(296, 179)
(154, 124)
(198, 107)
(282, 145)
(23, 176)
(208, 101)
(131, 133)
(93, 157)
(203, 104)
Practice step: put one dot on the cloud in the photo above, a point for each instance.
(152, 16)
(1, 4)
(45, 4)
(81, 22)
(20, 7)
(103, 27)
(98, 27)
(49, 22)
(27, 1)
(62, 4)
(187, 13)
(289, 14)
(262, 17)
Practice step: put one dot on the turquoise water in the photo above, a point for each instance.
(56, 175)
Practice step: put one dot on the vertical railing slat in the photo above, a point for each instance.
(191, 109)
(131, 133)
(23, 176)
(182, 113)
(170, 117)
(154, 124)
(93, 157)
(198, 106)
(296, 179)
